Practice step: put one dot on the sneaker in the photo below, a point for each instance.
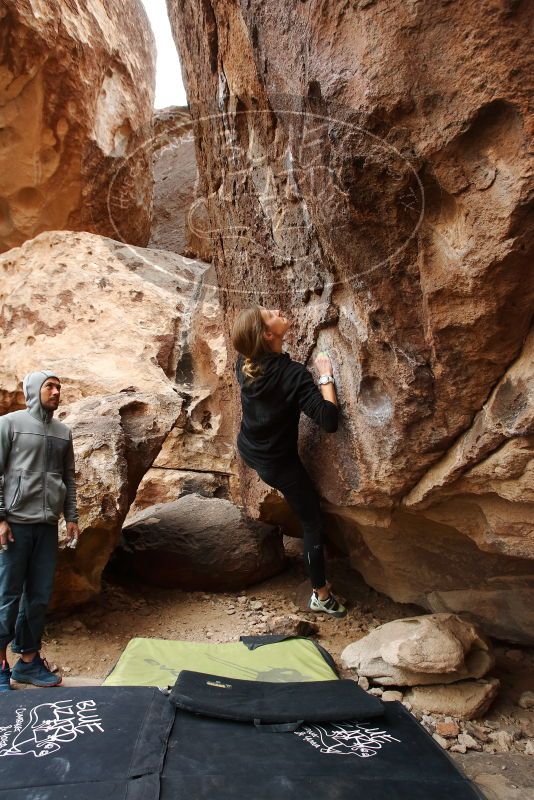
(5, 675)
(36, 672)
(329, 606)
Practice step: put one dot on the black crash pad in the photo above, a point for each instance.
(133, 743)
(266, 703)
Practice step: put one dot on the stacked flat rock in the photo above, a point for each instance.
(438, 648)
(431, 651)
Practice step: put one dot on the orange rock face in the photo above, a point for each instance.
(76, 98)
(114, 321)
(365, 168)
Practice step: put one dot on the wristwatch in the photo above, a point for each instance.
(325, 379)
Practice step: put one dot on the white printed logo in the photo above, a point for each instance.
(43, 729)
(347, 739)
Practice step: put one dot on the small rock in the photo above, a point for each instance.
(526, 727)
(363, 682)
(376, 692)
(67, 669)
(458, 748)
(206, 597)
(54, 667)
(407, 705)
(75, 627)
(502, 741)
(478, 731)
(390, 696)
(256, 605)
(242, 599)
(441, 741)
(290, 625)
(526, 700)
(230, 611)
(529, 747)
(514, 655)
(469, 742)
(448, 729)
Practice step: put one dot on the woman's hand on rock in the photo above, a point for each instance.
(323, 364)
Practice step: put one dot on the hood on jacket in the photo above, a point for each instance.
(272, 367)
(31, 386)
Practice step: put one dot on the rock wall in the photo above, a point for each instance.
(179, 222)
(76, 102)
(198, 455)
(365, 167)
(114, 321)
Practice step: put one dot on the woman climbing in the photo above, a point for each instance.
(274, 390)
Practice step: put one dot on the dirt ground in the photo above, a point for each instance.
(86, 645)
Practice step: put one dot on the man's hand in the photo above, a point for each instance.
(6, 535)
(73, 532)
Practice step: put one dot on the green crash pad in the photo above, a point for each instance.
(157, 662)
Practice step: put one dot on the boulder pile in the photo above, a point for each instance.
(442, 658)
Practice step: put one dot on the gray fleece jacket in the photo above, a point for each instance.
(37, 481)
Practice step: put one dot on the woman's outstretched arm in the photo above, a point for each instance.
(321, 406)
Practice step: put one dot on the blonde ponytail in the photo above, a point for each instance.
(251, 369)
(248, 339)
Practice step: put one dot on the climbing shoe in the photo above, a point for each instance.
(5, 675)
(36, 672)
(329, 606)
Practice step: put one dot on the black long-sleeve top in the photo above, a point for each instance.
(271, 405)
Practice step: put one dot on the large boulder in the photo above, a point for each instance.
(437, 648)
(114, 322)
(107, 316)
(116, 438)
(76, 103)
(163, 485)
(200, 543)
(389, 214)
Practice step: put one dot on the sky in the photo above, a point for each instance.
(169, 87)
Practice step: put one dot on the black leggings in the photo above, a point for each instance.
(296, 485)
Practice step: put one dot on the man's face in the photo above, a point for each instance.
(50, 392)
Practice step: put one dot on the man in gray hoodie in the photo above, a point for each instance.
(37, 485)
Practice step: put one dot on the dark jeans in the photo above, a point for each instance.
(26, 579)
(297, 487)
